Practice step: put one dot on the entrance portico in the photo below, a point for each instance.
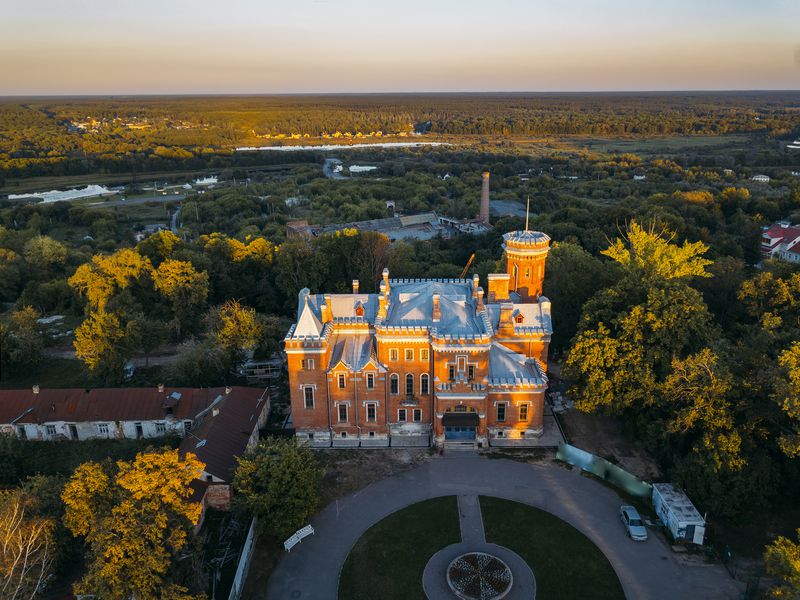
(460, 425)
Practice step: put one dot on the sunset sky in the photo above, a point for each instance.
(271, 46)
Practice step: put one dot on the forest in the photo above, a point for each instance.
(72, 136)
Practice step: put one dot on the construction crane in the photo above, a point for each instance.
(469, 263)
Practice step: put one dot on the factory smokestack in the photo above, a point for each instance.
(484, 216)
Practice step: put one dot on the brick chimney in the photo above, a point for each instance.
(36, 389)
(355, 286)
(479, 303)
(476, 282)
(386, 279)
(326, 310)
(382, 301)
(437, 310)
(160, 388)
(505, 325)
(484, 216)
(498, 287)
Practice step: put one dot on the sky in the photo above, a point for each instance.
(352, 46)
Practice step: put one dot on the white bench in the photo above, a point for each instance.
(297, 537)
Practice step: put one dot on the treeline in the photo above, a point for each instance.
(42, 137)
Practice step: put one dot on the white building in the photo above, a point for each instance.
(760, 178)
(111, 413)
(781, 240)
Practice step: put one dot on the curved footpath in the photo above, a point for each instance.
(647, 570)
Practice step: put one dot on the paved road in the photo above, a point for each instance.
(647, 570)
(141, 200)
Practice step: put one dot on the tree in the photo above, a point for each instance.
(649, 254)
(104, 343)
(99, 279)
(187, 288)
(160, 246)
(136, 517)
(27, 549)
(277, 481)
(782, 559)
(789, 399)
(24, 339)
(43, 253)
(235, 328)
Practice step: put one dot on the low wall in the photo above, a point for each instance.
(244, 562)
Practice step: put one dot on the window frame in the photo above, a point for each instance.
(339, 408)
(307, 364)
(524, 412)
(306, 389)
(470, 372)
(504, 407)
(50, 430)
(417, 415)
(409, 354)
(424, 354)
(161, 427)
(451, 372)
(394, 384)
(404, 413)
(370, 381)
(409, 389)
(424, 384)
(394, 354)
(102, 428)
(341, 380)
(374, 407)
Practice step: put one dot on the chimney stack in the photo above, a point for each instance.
(160, 388)
(484, 216)
(437, 311)
(355, 286)
(382, 300)
(36, 389)
(386, 279)
(479, 304)
(476, 283)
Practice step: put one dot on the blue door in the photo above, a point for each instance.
(459, 433)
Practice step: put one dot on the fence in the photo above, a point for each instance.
(604, 470)
(244, 562)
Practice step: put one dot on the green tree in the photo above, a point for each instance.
(278, 482)
(235, 328)
(782, 559)
(23, 340)
(136, 518)
(104, 342)
(44, 254)
(184, 286)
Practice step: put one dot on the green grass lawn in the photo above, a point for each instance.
(387, 562)
(565, 563)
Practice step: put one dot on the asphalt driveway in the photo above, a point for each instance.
(647, 570)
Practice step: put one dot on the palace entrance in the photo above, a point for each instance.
(460, 423)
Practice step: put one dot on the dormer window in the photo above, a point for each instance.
(519, 318)
(359, 309)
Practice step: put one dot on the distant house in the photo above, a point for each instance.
(760, 178)
(639, 177)
(295, 229)
(781, 240)
(225, 430)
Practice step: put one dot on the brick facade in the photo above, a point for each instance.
(425, 360)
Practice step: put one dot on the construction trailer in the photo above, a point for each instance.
(674, 508)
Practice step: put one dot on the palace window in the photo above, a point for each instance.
(451, 372)
(344, 434)
(424, 384)
(409, 384)
(423, 354)
(462, 363)
(371, 411)
(417, 415)
(308, 394)
(471, 372)
(102, 428)
(394, 384)
(341, 381)
(370, 381)
(523, 412)
(499, 434)
(343, 413)
(393, 354)
(401, 415)
(307, 364)
(501, 411)
(409, 354)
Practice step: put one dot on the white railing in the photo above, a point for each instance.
(297, 537)
(244, 562)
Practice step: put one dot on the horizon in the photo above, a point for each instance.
(94, 48)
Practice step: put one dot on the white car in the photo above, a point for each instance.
(633, 523)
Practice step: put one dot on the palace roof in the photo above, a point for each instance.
(507, 367)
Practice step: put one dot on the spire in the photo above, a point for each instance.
(308, 325)
(527, 212)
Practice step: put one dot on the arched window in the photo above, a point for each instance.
(424, 384)
(394, 384)
(409, 384)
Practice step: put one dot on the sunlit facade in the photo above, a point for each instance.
(426, 360)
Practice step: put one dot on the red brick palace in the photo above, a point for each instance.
(425, 359)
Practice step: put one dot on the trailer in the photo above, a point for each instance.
(678, 513)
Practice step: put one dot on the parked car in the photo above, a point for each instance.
(633, 523)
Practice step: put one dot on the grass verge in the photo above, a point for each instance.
(565, 563)
(387, 562)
